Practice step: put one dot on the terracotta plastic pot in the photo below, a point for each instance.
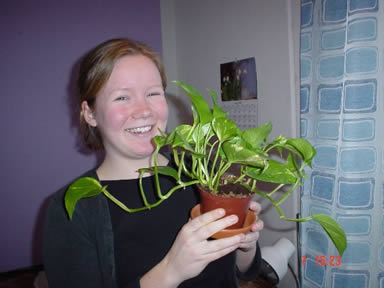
(231, 205)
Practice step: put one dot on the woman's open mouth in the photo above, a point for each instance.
(140, 130)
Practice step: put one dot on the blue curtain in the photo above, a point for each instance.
(342, 115)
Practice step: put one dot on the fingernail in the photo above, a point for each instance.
(221, 212)
(233, 218)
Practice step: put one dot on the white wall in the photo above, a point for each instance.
(199, 35)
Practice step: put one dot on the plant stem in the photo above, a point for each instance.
(286, 194)
(270, 148)
(221, 173)
(181, 166)
(122, 206)
(205, 171)
(276, 189)
(176, 156)
(157, 182)
(146, 204)
(276, 205)
(239, 178)
(303, 219)
(212, 148)
(213, 168)
(253, 185)
(204, 151)
(186, 171)
(186, 184)
(216, 178)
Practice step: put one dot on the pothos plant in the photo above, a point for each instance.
(206, 150)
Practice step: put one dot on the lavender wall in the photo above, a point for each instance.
(41, 42)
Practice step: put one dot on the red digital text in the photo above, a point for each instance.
(323, 260)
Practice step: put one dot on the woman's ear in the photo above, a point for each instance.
(88, 114)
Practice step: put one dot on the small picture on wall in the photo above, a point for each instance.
(238, 80)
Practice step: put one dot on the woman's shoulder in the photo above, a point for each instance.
(90, 173)
(57, 203)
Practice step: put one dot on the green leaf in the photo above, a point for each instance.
(303, 148)
(159, 141)
(200, 132)
(334, 231)
(291, 163)
(164, 170)
(274, 172)
(195, 115)
(224, 128)
(222, 154)
(217, 111)
(181, 142)
(257, 136)
(202, 107)
(174, 139)
(82, 188)
(236, 152)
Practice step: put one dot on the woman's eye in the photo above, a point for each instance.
(154, 94)
(121, 98)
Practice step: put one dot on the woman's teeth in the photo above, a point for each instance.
(140, 129)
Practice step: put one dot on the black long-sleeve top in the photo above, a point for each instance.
(104, 246)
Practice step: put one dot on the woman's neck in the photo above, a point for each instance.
(113, 169)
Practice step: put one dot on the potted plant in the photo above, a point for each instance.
(207, 151)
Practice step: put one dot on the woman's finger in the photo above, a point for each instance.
(206, 218)
(209, 223)
(255, 207)
(258, 225)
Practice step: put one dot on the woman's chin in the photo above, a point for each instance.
(143, 152)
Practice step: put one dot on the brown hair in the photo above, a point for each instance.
(95, 70)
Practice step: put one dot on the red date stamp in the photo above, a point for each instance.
(324, 260)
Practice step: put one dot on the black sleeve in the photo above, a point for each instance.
(133, 284)
(254, 270)
(70, 253)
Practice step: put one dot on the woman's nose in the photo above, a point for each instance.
(142, 109)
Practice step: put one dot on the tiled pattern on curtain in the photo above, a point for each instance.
(342, 116)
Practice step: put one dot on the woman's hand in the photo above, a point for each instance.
(247, 247)
(192, 251)
(249, 242)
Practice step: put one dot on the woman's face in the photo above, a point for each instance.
(130, 109)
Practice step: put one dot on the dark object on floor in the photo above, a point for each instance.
(258, 283)
(20, 278)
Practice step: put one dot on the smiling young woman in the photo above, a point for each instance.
(128, 112)
(123, 106)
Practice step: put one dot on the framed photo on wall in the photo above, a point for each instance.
(238, 80)
(238, 83)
